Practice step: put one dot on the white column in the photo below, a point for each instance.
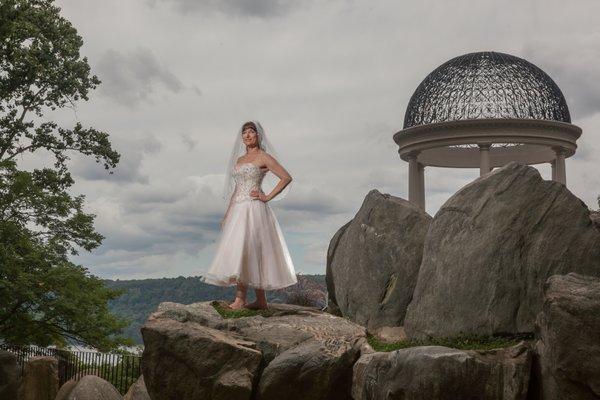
(561, 170)
(484, 159)
(421, 169)
(413, 179)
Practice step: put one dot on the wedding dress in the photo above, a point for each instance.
(251, 249)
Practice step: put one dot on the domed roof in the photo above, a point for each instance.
(486, 85)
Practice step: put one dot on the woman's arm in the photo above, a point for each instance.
(284, 178)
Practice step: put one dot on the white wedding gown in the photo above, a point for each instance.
(251, 249)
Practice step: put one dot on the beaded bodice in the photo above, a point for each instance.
(247, 176)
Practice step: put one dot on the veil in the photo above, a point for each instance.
(239, 148)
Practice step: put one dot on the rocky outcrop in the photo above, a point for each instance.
(66, 389)
(441, 373)
(40, 379)
(91, 387)
(568, 328)
(595, 216)
(373, 261)
(137, 391)
(191, 352)
(491, 247)
(332, 306)
(10, 376)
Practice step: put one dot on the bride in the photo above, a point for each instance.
(252, 251)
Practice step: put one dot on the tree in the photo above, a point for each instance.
(45, 298)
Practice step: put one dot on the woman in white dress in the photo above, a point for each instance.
(252, 251)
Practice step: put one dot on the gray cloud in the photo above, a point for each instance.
(329, 81)
(237, 8)
(131, 78)
(573, 67)
(188, 140)
(128, 170)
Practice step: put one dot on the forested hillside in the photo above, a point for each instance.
(143, 296)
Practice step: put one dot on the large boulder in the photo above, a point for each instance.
(10, 375)
(595, 216)
(192, 352)
(442, 373)
(490, 249)
(66, 389)
(137, 391)
(568, 346)
(373, 261)
(92, 387)
(40, 379)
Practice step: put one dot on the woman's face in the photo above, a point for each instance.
(250, 137)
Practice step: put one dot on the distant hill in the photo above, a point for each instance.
(143, 296)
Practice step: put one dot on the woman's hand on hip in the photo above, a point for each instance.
(255, 194)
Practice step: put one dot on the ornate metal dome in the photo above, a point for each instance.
(485, 85)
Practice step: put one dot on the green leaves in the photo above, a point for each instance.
(44, 298)
(41, 68)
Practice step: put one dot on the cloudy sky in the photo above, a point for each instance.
(329, 81)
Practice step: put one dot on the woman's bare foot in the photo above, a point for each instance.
(256, 305)
(238, 304)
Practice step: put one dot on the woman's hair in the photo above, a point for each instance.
(249, 124)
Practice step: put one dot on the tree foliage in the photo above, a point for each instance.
(45, 298)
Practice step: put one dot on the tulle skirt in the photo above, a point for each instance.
(251, 250)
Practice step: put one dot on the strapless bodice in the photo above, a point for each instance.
(247, 176)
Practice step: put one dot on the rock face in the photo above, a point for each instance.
(595, 216)
(191, 352)
(373, 261)
(91, 387)
(40, 379)
(10, 376)
(65, 390)
(441, 373)
(491, 247)
(137, 391)
(569, 338)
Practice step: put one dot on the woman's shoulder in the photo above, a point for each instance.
(264, 155)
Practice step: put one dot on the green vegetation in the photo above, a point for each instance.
(468, 342)
(230, 313)
(44, 298)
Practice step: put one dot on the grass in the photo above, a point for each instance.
(469, 342)
(226, 312)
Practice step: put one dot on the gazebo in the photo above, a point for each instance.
(483, 110)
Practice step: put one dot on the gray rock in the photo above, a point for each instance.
(137, 391)
(40, 379)
(441, 373)
(191, 352)
(66, 389)
(373, 261)
(332, 306)
(491, 247)
(389, 334)
(92, 387)
(595, 216)
(10, 376)
(191, 361)
(568, 328)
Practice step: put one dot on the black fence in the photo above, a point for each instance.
(122, 370)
